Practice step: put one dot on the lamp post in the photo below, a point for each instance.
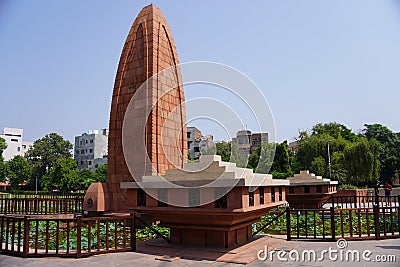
(329, 159)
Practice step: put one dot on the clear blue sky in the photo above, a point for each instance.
(316, 61)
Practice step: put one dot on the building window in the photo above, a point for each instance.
(141, 198)
(91, 141)
(188, 135)
(163, 197)
(194, 197)
(261, 191)
(14, 140)
(86, 141)
(273, 194)
(251, 199)
(319, 188)
(19, 149)
(280, 193)
(220, 194)
(81, 162)
(82, 151)
(90, 162)
(24, 146)
(77, 152)
(221, 203)
(291, 190)
(90, 150)
(80, 142)
(307, 189)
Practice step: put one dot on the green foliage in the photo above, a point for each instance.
(361, 162)
(389, 149)
(347, 186)
(237, 156)
(146, 234)
(224, 150)
(296, 165)
(308, 223)
(45, 153)
(318, 166)
(86, 178)
(265, 154)
(189, 156)
(354, 158)
(211, 150)
(100, 174)
(18, 170)
(63, 176)
(3, 146)
(274, 158)
(335, 130)
(254, 159)
(3, 171)
(282, 175)
(281, 162)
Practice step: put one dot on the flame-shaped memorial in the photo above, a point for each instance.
(206, 203)
(149, 51)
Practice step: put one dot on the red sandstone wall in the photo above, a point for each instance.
(352, 192)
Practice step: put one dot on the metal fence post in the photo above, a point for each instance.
(376, 221)
(288, 226)
(333, 228)
(133, 232)
(78, 236)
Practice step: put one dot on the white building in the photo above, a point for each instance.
(91, 149)
(15, 143)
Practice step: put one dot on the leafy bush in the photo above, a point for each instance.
(347, 186)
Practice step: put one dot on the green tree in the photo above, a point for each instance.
(303, 135)
(45, 153)
(281, 162)
(339, 172)
(3, 171)
(63, 176)
(18, 171)
(100, 174)
(254, 159)
(224, 150)
(3, 146)
(354, 159)
(237, 156)
(361, 162)
(211, 150)
(318, 166)
(262, 158)
(388, 150)
(334, 130)
(86, 178)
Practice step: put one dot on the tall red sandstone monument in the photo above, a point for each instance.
(149, 49)
(206, 203)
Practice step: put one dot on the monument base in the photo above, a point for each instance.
(211, 238)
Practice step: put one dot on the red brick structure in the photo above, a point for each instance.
(208, 221)
(307, 191)
(209, 202)
(148, 50)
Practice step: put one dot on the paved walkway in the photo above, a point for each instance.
(378, 249)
